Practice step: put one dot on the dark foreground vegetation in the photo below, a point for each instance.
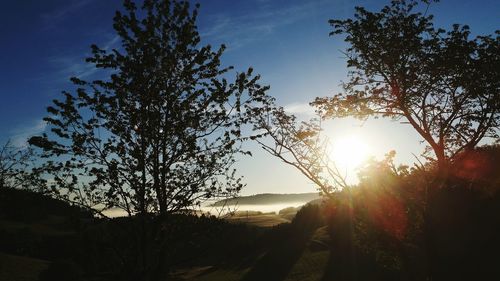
(394, 225)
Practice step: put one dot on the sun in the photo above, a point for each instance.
(349, 152)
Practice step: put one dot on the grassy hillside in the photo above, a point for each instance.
(27, 206)
(16, 268)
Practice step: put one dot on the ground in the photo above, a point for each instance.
(309, 266)
(15, 268)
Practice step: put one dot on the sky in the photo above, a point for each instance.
(44, 43)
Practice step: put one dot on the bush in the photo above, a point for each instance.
(308, 218)
(289, 210)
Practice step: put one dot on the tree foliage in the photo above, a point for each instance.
(12, 162)
(161, 132)
(16, 167)
(299, 144)
(444, 83)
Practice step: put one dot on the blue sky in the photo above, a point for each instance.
(43, 43)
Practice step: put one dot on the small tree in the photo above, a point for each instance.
(300, 145)
(14, 164)
(160, 135)
(444, 84)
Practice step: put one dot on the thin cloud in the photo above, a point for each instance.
(52, 18)
(72, 67)
(20, 135)
(75, 65)
(111, 43)
(300, 109)
(238, 31)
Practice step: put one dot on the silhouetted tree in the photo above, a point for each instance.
(299, 144)
(157, 136)
(14, 164)
(443, 83)
(161, 133)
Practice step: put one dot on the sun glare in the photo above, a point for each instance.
(349, 152)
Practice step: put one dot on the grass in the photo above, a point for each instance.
(310, 265)
(263, 220)
(314, 260)
(16, 268)
(234, 274)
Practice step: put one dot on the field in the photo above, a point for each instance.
(262, 220)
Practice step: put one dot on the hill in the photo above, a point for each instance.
(28, 206)
(269, 199)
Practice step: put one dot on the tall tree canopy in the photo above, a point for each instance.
(444, 83)
(160, 134)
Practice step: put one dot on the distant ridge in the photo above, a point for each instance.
(269, 199)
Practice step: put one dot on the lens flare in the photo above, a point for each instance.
(349, 152)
